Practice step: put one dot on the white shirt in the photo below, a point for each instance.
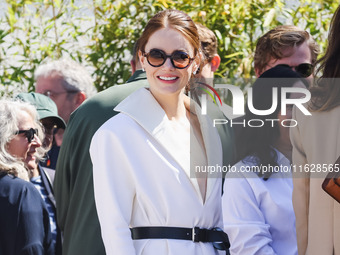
(258, 215)
(141, 172)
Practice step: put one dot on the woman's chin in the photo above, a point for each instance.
(31, 163)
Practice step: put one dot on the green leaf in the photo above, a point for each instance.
(269, 17)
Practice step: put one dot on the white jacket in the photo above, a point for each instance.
(141, 178)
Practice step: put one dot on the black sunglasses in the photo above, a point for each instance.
(304, 69)
(157, 58)
(29, 133)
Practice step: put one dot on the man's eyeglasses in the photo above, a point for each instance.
(179, 59)
(304, 69)
(29, 133)
(50, 93)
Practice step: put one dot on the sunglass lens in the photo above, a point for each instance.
(156, 58)
(180, 59)
(304, 69)
(30, 134)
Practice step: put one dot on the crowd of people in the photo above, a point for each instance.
(113, 172)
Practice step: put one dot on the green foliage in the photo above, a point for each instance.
(101, 34)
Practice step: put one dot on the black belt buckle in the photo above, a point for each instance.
(199, 234)
(195, 234)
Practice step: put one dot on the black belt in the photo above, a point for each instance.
(216, 236)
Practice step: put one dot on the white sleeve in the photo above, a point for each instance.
(114, 191)
(243, 220)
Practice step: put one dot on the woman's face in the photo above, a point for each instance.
(20, 147)
(166, 79)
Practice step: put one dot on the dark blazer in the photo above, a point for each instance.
(24, 220)
(47, 177)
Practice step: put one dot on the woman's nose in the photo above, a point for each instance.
(168, 64)
(36, 141)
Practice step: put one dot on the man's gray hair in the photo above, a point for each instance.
(74, 76)
(10, 114)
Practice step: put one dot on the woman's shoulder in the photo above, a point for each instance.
(119, 124)
(16, 188)
(314, 115)
(139, 111)
(129, 102)
(321, 123)
(14, 182)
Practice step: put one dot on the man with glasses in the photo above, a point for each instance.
(68, 84)
(286, 45)
(43, 177)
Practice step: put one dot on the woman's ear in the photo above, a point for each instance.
(141, 59)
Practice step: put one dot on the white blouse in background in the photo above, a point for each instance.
(258, 215)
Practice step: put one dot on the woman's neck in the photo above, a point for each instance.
(173, 105)
(34, 172)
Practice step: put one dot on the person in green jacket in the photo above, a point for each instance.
(76, 210)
